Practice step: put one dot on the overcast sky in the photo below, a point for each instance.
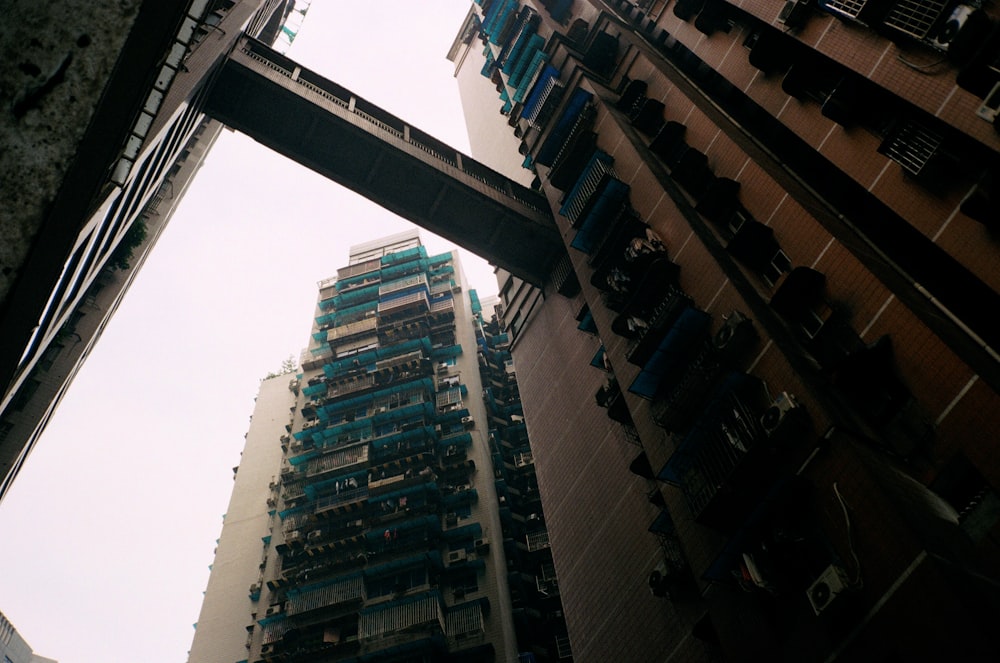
(115, 515)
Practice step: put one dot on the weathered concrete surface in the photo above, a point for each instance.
(58, 57)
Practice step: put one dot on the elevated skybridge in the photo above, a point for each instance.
(325, 127)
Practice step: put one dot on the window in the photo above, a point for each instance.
(780, 264)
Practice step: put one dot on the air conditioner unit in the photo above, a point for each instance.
(286, 438)
(295, 445)
(314, 535)
(482, 546)
(272, 502)
(274, 609)
(354, 523)
(255, 588)
(735, 334)
(457, 556)
(293, 536)
(780, 411)
(293, 385)
(830, 583)
(468, 421)
(950, 29)
(267, 649)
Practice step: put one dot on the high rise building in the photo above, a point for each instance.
(383, 507)
(103, 137)
(13, 647)
(763, 404)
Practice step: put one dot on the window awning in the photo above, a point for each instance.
(605, 204)
(801, 288)
(674, 352)
(753, 245)
(721, 200)
(546, 82)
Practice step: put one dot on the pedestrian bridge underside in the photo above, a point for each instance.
(325, 127)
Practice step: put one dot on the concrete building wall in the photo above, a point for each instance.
(500, 628)
(221, 633)
(490, 137)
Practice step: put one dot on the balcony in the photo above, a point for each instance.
(667, 363)
(409, 304)
(408, 361)
(381, 486)
(416, 613)
(337, 460)
(410, 282)
(358, 269)
(599, 167)
(523, 459)
(344, 332)
(716, 465)
(537, 540)
(333, 593)
(464, 625)
(597, 219)
(342, 499)
(546, 582)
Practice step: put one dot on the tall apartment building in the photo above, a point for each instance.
(370, 518)
(763, 404)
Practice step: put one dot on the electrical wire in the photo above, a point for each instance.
(858, 582)
(922, 68)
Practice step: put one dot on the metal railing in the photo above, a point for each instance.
(478, 172)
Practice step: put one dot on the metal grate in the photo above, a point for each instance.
(912, 147)
(915, 17)
(849, 8)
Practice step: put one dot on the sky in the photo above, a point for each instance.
(117, 511)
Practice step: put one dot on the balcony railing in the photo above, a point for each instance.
(402, 284)
(381, 486)
(338, 460)
(384, 621)
(351, 329)
(337, 593)
(415, 300)
(343, 497)
(358, 269)
(523, 459)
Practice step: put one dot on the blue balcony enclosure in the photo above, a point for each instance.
(564, 125)
(666, 365)
(597, 218)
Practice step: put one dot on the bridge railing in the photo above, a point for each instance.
(343, 98)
